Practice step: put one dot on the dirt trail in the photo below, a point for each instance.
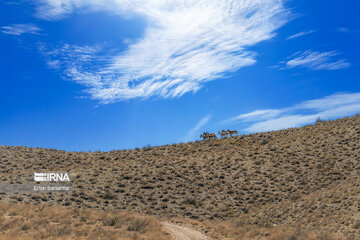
(183, 233)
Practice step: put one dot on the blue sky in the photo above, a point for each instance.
(85, 75)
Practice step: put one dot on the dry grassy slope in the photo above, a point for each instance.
(308, 175)
(25, 222)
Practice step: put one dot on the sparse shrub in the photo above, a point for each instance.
(111, 221)
(147, 147)
(225, 147)
(190, 200)
(357, 225)
(108, 196)
(62, 231)
(258, 162)
(25, 227)
(295, 197)
(324, 236)
(318, 120)
(138, 225)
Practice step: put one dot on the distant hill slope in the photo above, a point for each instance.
(308, 176)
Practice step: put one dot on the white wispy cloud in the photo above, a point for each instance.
(317, 60)
(347, 30)
(75, 62)
(55, 64)
(256, 115)
(186, 43)
(329, 107)
(300, 34)
(342, 29)
(18, 29)
(195, 130)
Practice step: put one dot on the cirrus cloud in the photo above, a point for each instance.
(300, 34)
(329, 107)
(318, 60)
(186, 44)
(195, 130)
(18, 29)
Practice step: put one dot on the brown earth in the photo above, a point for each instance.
(305, 178)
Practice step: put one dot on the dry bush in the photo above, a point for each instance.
(356, 225)
(138, 225)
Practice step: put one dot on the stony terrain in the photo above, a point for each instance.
(308, 177)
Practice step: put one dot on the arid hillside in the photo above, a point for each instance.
(305, 177)
(24, 222)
